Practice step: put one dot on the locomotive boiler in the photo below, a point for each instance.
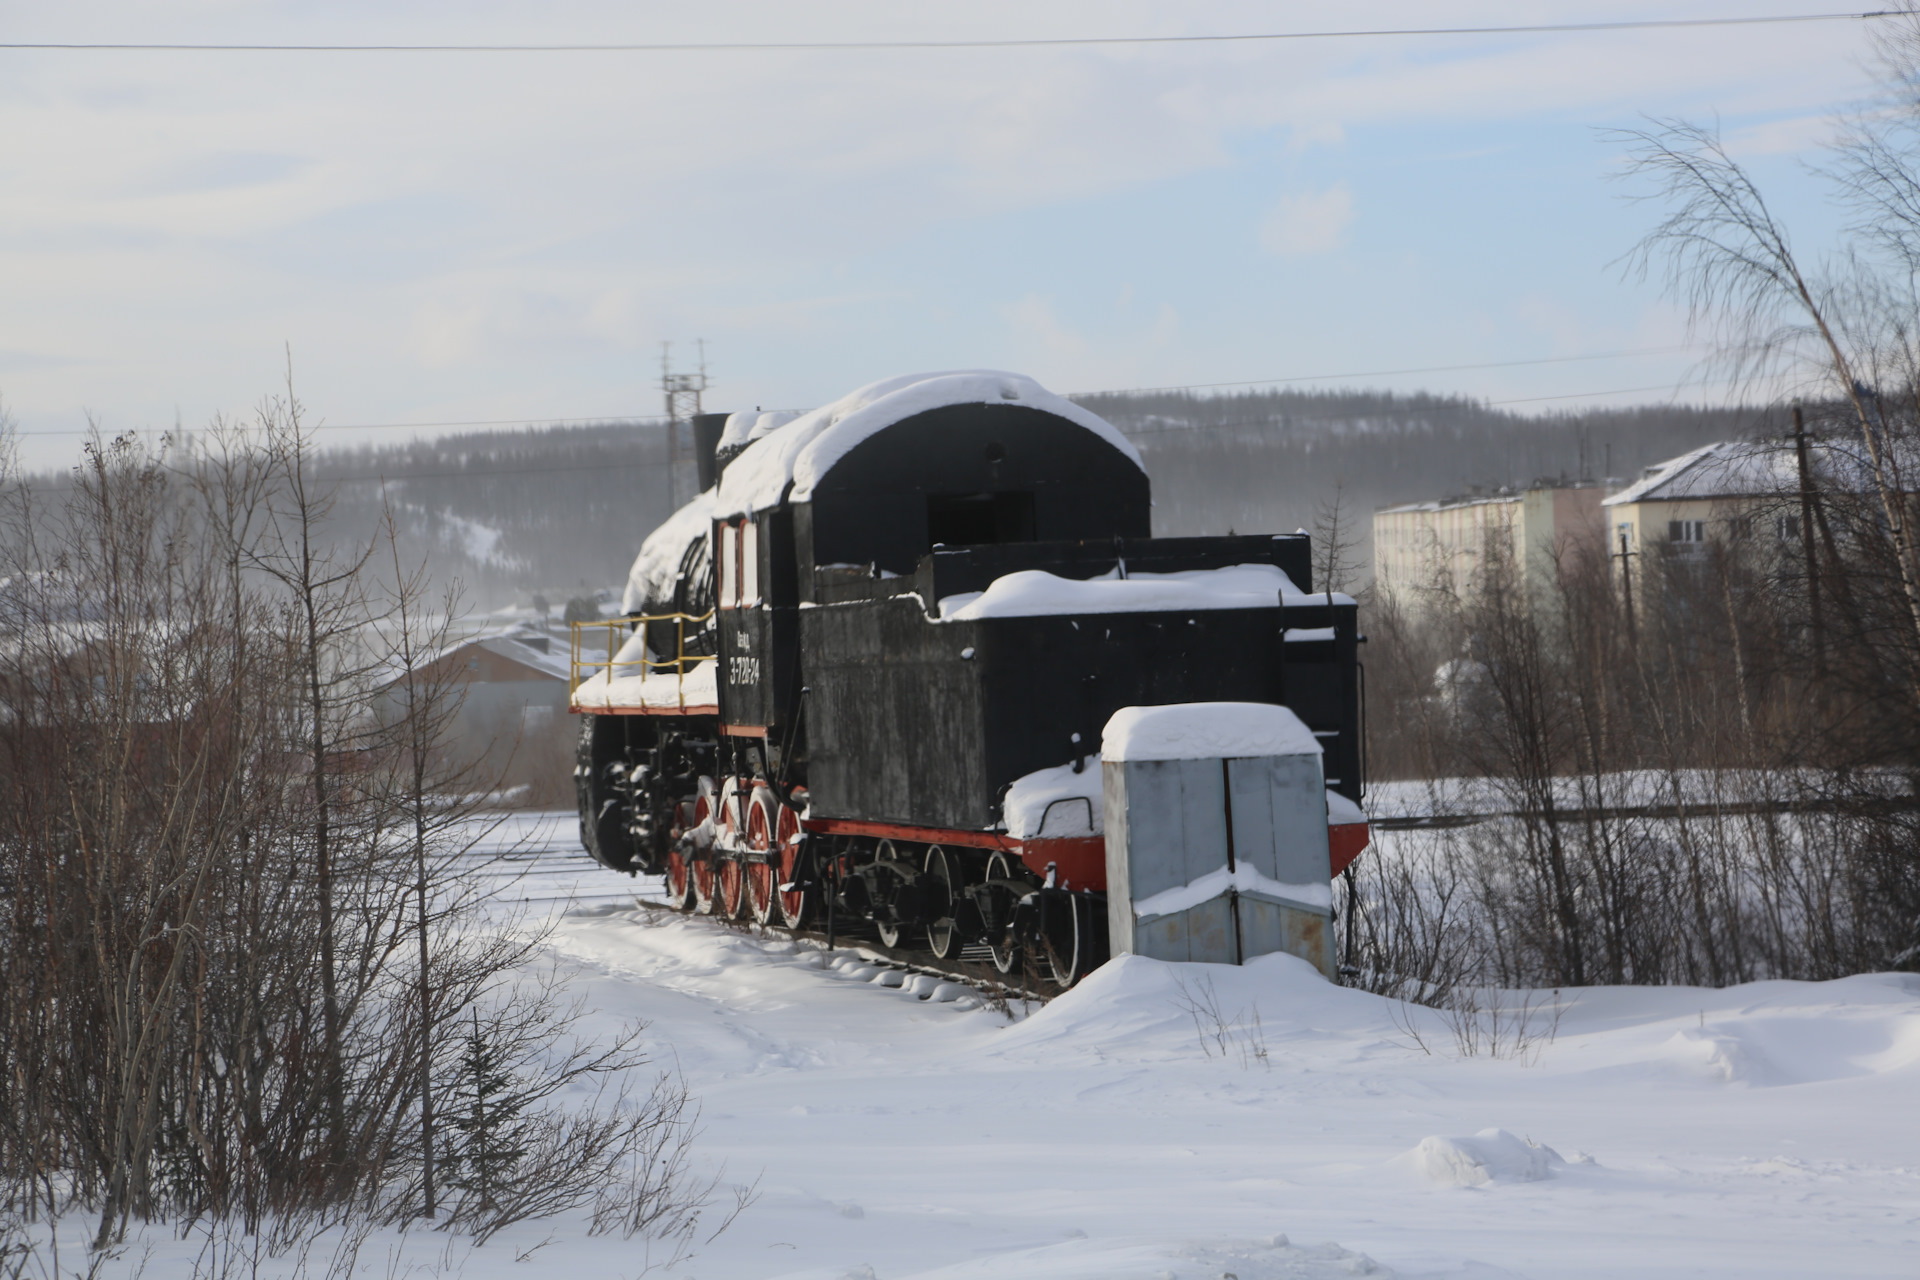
(863, 674)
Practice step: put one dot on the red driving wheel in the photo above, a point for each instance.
(733, 898)
(760, 874)
(690, 814)
(705, 884)
(794, 902)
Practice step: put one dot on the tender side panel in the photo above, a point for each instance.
(1052, 678)
(1319, 682)
(894, 717)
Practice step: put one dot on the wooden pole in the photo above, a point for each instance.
(1806, 543)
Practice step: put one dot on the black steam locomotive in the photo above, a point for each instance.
(865, 672)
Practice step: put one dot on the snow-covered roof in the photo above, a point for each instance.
(1449, 504)
(1758, 469)
(516, 643)
(742, 429)
(1036, 593)
(526, 648)
(788, 460)
(1205, 731)
(658, 563)
(1727, 469)
(783, 449)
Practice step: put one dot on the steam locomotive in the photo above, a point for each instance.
(862, 676)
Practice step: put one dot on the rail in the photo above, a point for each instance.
(681, 664)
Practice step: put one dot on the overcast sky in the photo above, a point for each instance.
(463, 237)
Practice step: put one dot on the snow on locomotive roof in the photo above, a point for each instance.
(744, 428)
(1037, 593)
(801, 452)
(1205, 731)
(658, 563)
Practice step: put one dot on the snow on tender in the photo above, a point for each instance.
(1047, 802)
(1206, 731)
(1059, 802)
(790, 459)
(1037, 593)
(1342, 811)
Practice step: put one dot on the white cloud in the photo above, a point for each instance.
(442, 236)
(1036, 328)
(1312, 222)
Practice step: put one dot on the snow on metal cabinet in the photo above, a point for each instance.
(1216, 823)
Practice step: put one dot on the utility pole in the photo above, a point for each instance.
(682, 394)
(1806, 542)
(1625, 556)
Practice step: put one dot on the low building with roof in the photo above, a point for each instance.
(514, 711)
(1730, 490)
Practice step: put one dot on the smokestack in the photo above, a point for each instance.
(706, 439)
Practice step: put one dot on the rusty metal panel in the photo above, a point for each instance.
(1280, 817)
(1176, 822)
(1168, 824)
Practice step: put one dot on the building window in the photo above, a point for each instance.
(1786, 528)
(1686, 531)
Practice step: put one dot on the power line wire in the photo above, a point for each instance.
(1585, 395)
(1035, 42)
(1388, 373)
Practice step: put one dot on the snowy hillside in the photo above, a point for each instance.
(1122, 1131)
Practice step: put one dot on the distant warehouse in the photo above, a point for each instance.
(1443, 546)
(513, 714)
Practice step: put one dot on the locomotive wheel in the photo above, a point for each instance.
(679, 874)
(945, 874)
(793, 904)
(889, 932)
(679, 882)
(729, 871)
(1001, 944)
(1068, 934)
(760, 876)
(706, 886)
(680, 867)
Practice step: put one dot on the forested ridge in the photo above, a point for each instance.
(557, 509)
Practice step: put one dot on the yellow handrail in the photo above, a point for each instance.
(679, 664)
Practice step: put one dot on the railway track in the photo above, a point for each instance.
(858, 938)
(536, 863)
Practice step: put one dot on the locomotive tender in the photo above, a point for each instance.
(863, 675)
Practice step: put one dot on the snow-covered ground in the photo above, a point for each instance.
(1769, 1130)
